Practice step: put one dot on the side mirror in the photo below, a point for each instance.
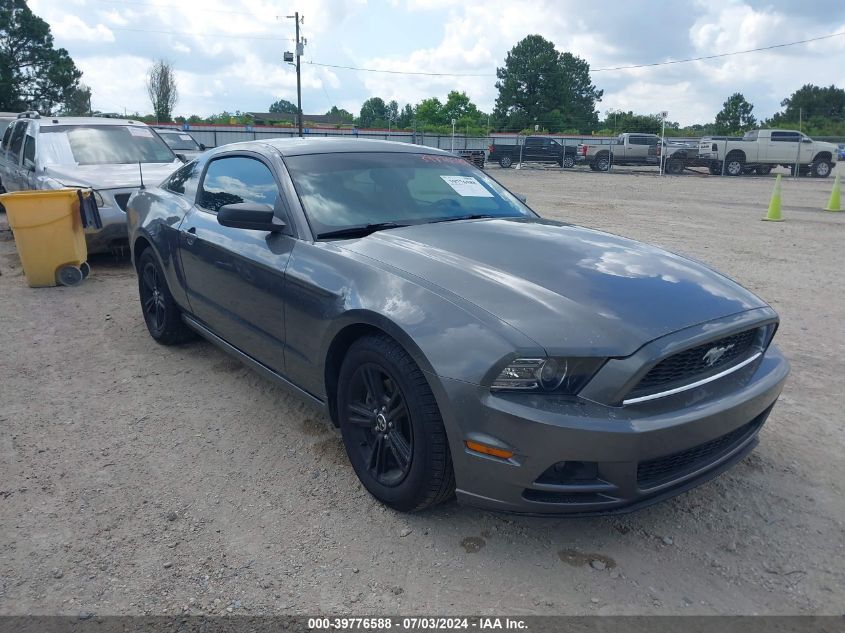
(521, 197)
(182, 157)
(249, 215)
(203, 147)
(806, 140)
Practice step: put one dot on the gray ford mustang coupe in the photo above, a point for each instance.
(461, 343)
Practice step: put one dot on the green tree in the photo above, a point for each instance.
(536, 80)
(430, 112)
(406, 117)
(812, 101)
(344, 115)
(162, 90)
(735, 115)
(78, 102)
(373, 113)
(283, 105)
(33, 74)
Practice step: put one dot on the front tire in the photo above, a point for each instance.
(161, 313)
(391, 426)
(821, 168)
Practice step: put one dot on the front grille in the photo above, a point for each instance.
(122, 199)
(691, 365)
(663, 469)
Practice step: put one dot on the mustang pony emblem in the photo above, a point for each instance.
(714, 354)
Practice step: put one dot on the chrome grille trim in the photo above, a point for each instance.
(697, 383)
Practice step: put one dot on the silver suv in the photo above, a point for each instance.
(107, 155)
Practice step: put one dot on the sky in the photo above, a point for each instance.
(228, 53)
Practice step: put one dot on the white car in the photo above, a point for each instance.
(109, 156)
(761, 150)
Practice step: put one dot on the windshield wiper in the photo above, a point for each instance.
(361, 230)
(474, 216)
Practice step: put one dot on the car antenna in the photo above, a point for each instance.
(141, 171)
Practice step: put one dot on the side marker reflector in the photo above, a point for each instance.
(488, 450)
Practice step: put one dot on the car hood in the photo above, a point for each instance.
(572, 290)
(111, 176)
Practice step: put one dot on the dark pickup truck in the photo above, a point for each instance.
(537, 149)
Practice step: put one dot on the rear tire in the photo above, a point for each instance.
(161, 313)
(391, 426)
(505, 162)
(675, 166)
(734, 167)
(602, 163)
(568, 162)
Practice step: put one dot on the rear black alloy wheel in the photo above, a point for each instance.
(161, 314)
(391, 426)
(568, 162)
(505, 161)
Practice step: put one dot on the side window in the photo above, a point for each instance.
(29, 149)
(184, 180)
(6, 135)
(236, 179)
(786, 137)
(17, 140)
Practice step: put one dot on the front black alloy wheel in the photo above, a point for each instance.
(161, 313)
(391, 426)
(379, 419)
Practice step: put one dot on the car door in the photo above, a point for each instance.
(533, 150)
(782, 147)
(12, 174)
(235, 277)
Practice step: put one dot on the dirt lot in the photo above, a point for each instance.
(140, 479)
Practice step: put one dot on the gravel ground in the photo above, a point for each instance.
(138, 479)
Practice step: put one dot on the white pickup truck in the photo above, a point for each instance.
(761, 150)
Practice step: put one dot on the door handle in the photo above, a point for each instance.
(190, 235)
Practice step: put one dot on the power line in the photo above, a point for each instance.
(592, 70)
(718, 55)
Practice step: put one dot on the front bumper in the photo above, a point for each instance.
(642, 453)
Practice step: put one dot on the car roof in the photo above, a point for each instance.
(49, 121)
(304, 146)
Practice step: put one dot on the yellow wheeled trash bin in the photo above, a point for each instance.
(48, 230)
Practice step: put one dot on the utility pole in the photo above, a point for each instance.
(300, 46)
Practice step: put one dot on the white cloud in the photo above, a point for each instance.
(71, 26)
(227, 53)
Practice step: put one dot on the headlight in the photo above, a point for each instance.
(547, 375)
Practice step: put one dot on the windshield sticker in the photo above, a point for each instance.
(140, 131)
(467, 186)
(185, 137)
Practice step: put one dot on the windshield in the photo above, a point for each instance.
(339, 191)
(102, 145)
(179, 141)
